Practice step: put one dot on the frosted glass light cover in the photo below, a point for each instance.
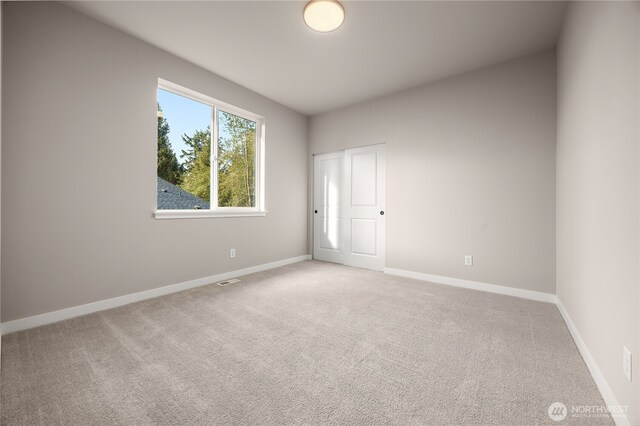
(324, 15)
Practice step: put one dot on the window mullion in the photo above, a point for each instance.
(214, 159)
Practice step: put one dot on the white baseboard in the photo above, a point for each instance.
(598, 377)
(76, 311)
(475, 285)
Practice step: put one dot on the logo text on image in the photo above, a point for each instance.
(558, 411)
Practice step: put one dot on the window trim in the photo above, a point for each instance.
(214, 210)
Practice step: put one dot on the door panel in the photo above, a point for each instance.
(330, 233)
(327, 216)
(363, 178)
(363, 236)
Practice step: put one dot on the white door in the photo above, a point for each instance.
(327, 194)
(349, 221)
(363, 210)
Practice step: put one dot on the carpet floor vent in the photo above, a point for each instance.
(227, 282)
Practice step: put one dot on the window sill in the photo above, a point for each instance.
(198, 214)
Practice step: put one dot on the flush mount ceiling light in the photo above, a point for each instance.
(323, 15)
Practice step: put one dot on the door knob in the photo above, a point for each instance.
(381, 212)
(315, 211)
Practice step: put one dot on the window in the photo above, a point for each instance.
(209, 157)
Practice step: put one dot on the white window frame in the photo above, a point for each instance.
(214, 210)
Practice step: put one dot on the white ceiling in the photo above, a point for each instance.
(383, 46)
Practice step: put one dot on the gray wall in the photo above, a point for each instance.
(470, 170)
(79, 169)
(598, 185)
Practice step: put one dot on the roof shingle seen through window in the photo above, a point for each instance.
(172, 197)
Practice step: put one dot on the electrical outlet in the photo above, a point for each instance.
(232, 252)
(468, 260)
(626, 362)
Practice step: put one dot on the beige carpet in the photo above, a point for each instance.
(310, 343)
